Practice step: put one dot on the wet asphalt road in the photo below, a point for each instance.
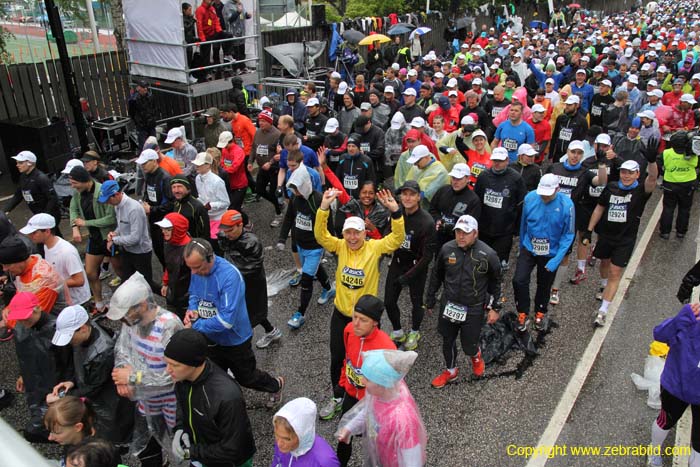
(472, 423)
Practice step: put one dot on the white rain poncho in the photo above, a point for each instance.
(388, 417)
(141, 347)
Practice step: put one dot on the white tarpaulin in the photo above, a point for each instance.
(291, 19)
(158, 21)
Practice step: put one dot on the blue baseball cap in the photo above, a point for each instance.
(109, 189)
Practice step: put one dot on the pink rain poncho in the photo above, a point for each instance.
(388, 416)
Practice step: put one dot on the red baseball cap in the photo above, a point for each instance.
(22, 305)
(456, 69)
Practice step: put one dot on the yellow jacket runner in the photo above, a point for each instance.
(358, 271)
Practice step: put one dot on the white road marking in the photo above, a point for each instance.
(573, 389)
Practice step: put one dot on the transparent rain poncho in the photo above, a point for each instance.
(388, 416)
(141, 346)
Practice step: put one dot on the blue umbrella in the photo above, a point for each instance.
(420, 31)
(400, 28)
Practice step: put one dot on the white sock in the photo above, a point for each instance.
(452, 371)
(603, 283)
(604, 306)
(99, 305)
(694, 460)
(581, 263)
(658, 435)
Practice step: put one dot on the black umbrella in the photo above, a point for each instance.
(353, 36)
(400, 28)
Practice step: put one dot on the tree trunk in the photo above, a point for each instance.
(117, 11)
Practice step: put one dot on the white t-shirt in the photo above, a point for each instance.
(65, 259)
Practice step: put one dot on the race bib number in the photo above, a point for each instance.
(476, 170)
(353, 374)
(595, 191)
(263, 150)
(596, 111)
(151, 193)
(406, 245)
(617, 213)
(350, 182)
(334, 157)
(493, 200)
(310, 134)
(565, 134)
(352, 278)
(27, 195)
(454, 312)
(495, 111)
(510, 144)
(394, 149)
(540, 246)
(303, 222)
(566, 191)
(206, 309)
(364, 147)
(448, 220)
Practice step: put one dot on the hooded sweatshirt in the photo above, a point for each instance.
(212, 132)
(313, 451)
(301, 212)
(297, 110)
(177, 274)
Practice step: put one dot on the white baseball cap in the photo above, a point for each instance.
(418, 153)
(397, 120)
(477, 81)
(603, 138)
(598, 69)
(478, 133)
(467, 120)
(606, 82)
(572, 99)
(335, 75)
(312, 102)
(499, 154)
(224, 138)
(147, 155)
(366, 106)
(25, 156)
(389, 89)
(460, 170)
(439, 74)
(538, 108)
(71, 164)
(355, 223)
(548, 185)
(173, 134)
(418, 122)
(412, 72)
(549, 81)
(527, 150)
(41, 221)
(633, 79)
(656, 92)
(688, 98)
(630, 165)
(452, 83)
(580, 70)
(452, 92)
(653, 82)
(342, 88)
(202, 158)
(646, 67)
(466, 224)
(647, 114)
(575, 144)
(331, 125)
(164, 223)
(68, 321)
(409, 92)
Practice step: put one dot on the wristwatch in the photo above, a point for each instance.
(132, 378)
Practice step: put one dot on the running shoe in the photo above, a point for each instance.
(331, 408)
(554, 298)
(104, 273)
(680, 235)
(116, 282)
(664, 236)
(229, 58)
(326, 295)
(540, 319)
(478, 364)
(599, 294)
(268, 338)
(6, 334)
(599, 320)
(296, 321)
(579, 277)
(276, 397)
(277, 220)
(296, 279)
(398, 336)
(412, 340)
(655, 461)
(522, 322)
(444, 378)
